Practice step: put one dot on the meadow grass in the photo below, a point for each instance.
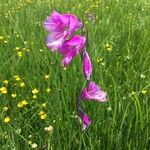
(119, 47)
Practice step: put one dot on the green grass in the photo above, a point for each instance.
(121, 123)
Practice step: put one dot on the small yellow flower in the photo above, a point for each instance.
(35, 91)
(99, 60)
(64, 68)
(5, 81)
(5, 108)
(41, 112)
(43, 116)
(24, 102)
(5, 41)
(3, 90)
(46, 76)
(107, 45)
(17, 48)
(7, 119)
(109, 49)
(48, 90)
(13, 95)
(34, 96)
(22, 84)
(17, 35)
(144, 91)
(25, 42)
(19, 54)
(20, 105)
(44, 104)
(29, 142)
(17, 78)
(1, 37)
(133, 93)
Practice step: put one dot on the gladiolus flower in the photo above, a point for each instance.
(85, 119)
(87, 65)
(60, 26)
(93, 92)
(71, 48)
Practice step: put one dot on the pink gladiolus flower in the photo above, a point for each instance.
(87, 65)
(71, 48)
(93, 92)
(85, 119)
(55, 40)
(59, 27)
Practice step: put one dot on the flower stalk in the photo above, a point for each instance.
(62, 38)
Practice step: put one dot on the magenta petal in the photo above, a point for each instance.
(71, 48)
(85, 119)
(53, 23)
(62, 22)
(87, 65)
(55, 40)
(93, 92)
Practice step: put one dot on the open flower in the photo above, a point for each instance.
(85, 119)
(55, 40)
(71, 48)
(60, 26)
(93, 92)
(87, 65)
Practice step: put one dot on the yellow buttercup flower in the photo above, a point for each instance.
(17, 78)
(48, 90)
(109, 49)
(17, 48)
(99, 60)
(5, 81)
(24, 102)
(5, 108)
(43, 116)
(44, 104)
(144, 91)
(20, 105)
(35, 91)
(7, 119)
(133, 93)
(13, 95)
(3, 90)
(19, 54)
(41, 112)
(64, 68)
(1, 37)
(22, 84)
(25, 42)
(30, 142)
(34, 96)
(5, 41)
(46, 76)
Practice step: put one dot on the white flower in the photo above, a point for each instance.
(34, 145)
(49, 129)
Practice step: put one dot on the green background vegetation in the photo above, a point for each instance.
(123, 70)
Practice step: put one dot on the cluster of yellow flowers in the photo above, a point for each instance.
(17, 7)
(3, 39)
(22, 103)
(108, 47)
(35, 92)
(12, 88)
(42, 115)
